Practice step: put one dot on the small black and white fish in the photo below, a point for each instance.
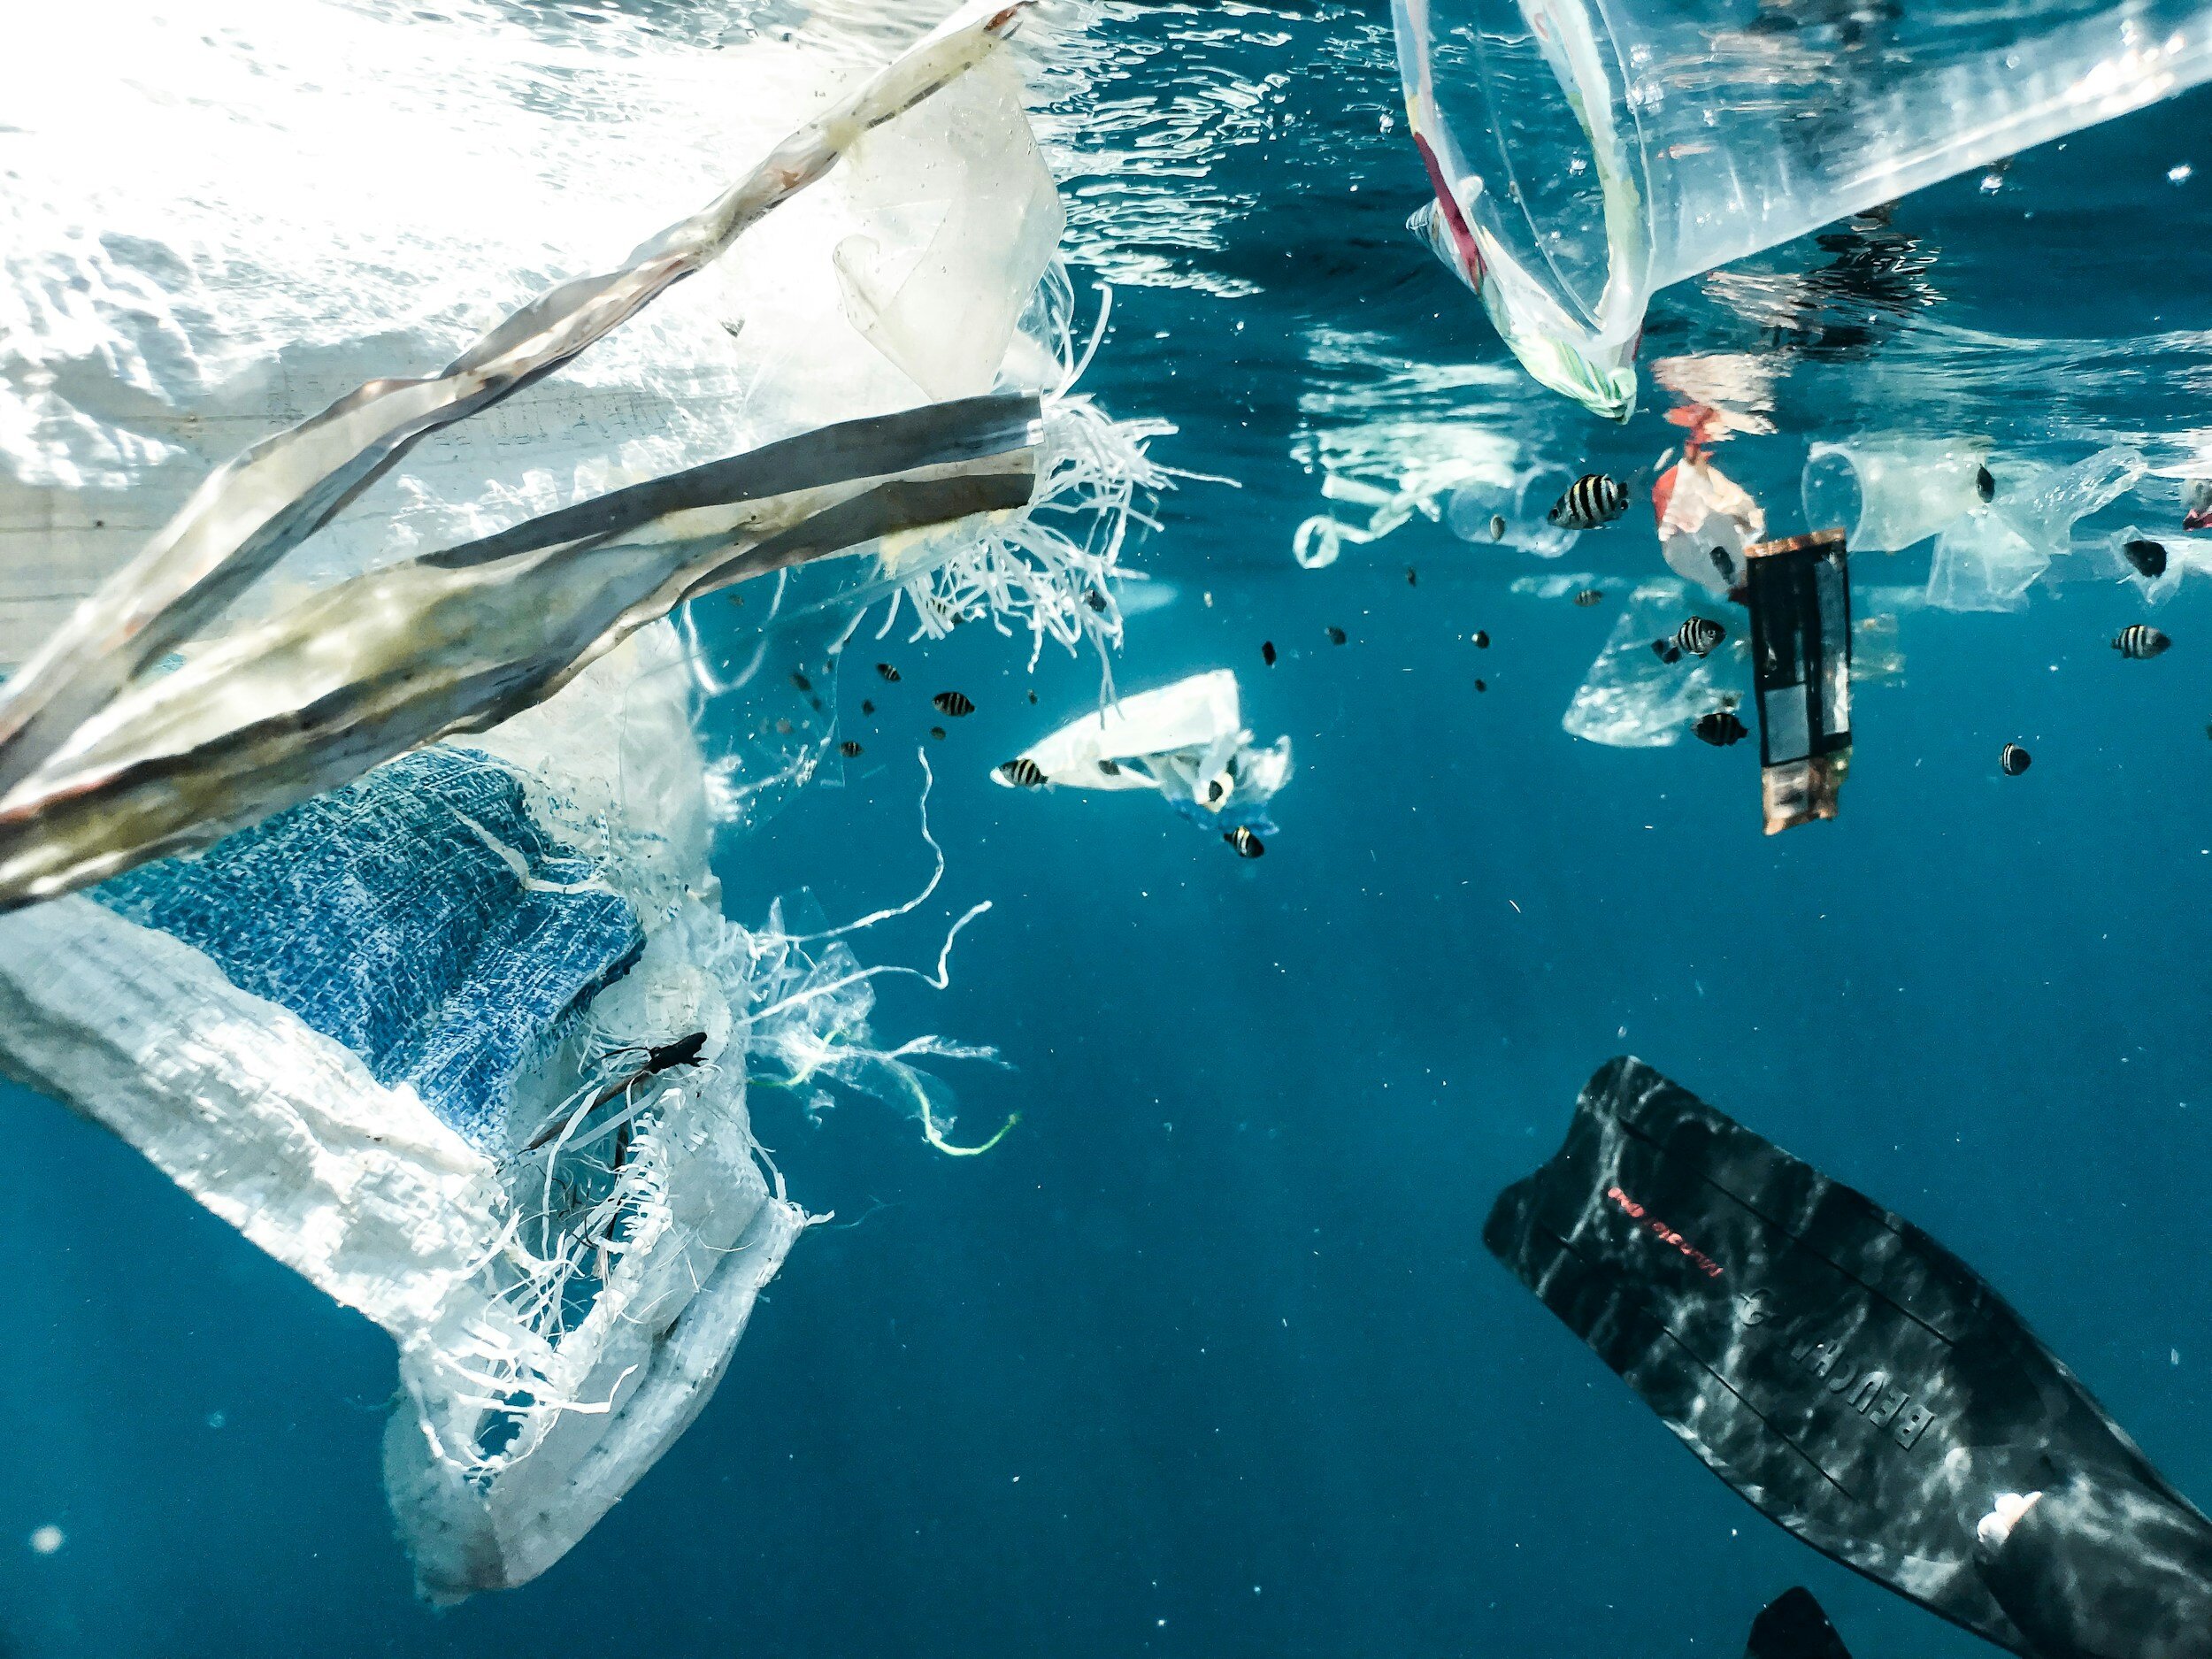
(1725, 566)
(1720, 728)
(1697, 637)
(2012, 760)
(1267, 652)
(1589, 596)
(1096, 599)
(2148, 557)
(1497, 526)
(867, 707)
(2139, 640)
(1336, 637)
(1482, 640)
(888, 673)
(1480, 686)
(801, 680)
(1112, 769)
(1248, 844)
(1022, 772)
(1592, 500)
(955, 703)
(849, 749)
(937, 732)
(1985, 485)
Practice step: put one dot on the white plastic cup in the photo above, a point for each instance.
(1475, 510)
(1887, 492)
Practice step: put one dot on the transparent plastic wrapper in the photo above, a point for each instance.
(1514, 513)
(1989, 559)
(1188, 741)
(1889, 491)
(1585, 154)
(1632, 699)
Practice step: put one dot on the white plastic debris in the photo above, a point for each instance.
(1891, 490)
(1187, 741)
(1706, 520)
(2184, 554)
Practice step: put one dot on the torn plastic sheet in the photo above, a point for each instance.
(467, 1044)
(1188, 741)
(1989, 559)
(252, 510)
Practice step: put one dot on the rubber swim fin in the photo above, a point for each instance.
(1853, 1379)
(1794, 1626)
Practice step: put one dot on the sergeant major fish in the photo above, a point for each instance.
(1592, 500)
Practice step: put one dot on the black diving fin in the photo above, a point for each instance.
(1793, 1625)
(1854, 1380)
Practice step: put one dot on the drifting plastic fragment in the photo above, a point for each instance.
(1513, 514)
(1892, 491)
(1582, 156)
(982, 219)
(1631, 699)
(1188, 741)
(1799, 599)
(1319, 540)
(1706, 520)
(1989, 559)
(2182, 554)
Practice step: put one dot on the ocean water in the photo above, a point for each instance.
(1207, 1358)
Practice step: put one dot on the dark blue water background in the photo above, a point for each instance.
(1207, 1359)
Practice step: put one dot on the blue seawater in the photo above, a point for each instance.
(1207, 1359)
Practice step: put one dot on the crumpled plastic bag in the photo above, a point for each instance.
(1632, 699)
(1187, 741)
(1989, 559)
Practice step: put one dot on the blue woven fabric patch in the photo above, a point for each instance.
(381, 919)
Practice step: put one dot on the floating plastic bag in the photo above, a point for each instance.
(1585, 154)
(1631, 699)
(1989, 559)
(2179, 554)
(1188, 741)
(1514, 514)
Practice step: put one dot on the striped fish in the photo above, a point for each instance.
(888, 673)
(2139, 640)
(1592, 500)
(1720, 728)
(1697, 636)
(2012, 760)
(1590, 596)
(849, 749)
(1248, 844)
(955, 703)
(1023, 773)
